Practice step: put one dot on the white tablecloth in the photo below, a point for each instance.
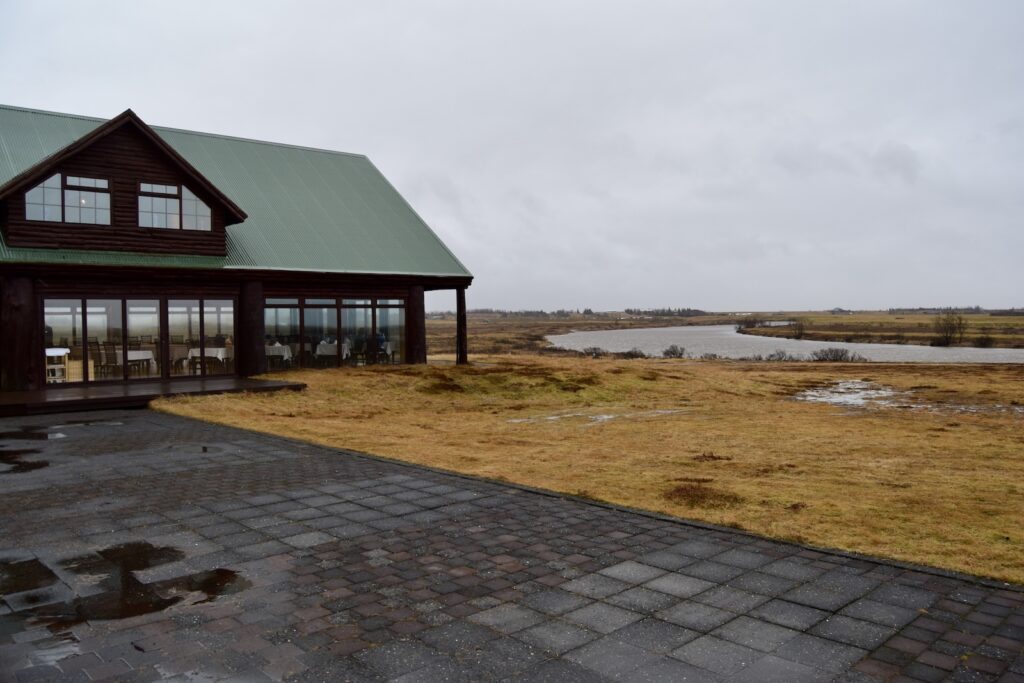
(56, 352)
(283, 351)
(218, 352)
(325, 349)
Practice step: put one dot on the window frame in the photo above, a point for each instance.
(65, 187)
(179, 196)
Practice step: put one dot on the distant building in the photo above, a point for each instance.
(130, 253)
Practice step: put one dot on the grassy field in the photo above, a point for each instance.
(940, 482)
(899, 328)
(494, 333)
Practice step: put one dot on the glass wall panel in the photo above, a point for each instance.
(62, 337)
(320, 327)
(183, 330)
(219, 328)
(104, 344)
(390, 335)
(143, 338)
(282, 340)
(357, 335)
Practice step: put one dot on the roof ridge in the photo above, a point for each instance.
(186, 131)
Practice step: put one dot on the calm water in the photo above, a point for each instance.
(726, 342)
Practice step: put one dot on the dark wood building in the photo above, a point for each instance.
(132, 253)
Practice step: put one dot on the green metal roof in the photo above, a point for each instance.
(308, 209)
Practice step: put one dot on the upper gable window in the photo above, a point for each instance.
(72, 200)
(161, 207)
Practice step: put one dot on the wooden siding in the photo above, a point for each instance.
(126, 158)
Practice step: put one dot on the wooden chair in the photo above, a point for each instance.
(111, 363)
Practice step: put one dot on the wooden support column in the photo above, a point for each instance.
(251, 357)
(415, 327)
(462, 334)
(21, 363)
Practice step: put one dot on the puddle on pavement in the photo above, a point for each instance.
(17, 465)
(123, 595)
(31, 433)
(24, 575)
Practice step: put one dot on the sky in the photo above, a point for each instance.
(723, 155)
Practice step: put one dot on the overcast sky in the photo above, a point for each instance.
(720, 155)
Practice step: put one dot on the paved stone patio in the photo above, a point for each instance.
(359, 569)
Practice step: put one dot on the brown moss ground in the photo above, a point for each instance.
(717, 441)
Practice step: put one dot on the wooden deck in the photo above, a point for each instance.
(61, 399)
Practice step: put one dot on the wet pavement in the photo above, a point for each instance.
(136, 546)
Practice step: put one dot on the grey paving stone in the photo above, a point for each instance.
(712, 571)
(641, 600)
(595, 586)
(820, 653)
(746, 559)
(670, 670)
(556, 636)
(679, 585)
(717, 655)
(558, 671)
(819, 597)
(664, 559)
(397, 658)
(856, 632)
(763, 584)
(308, 539)
(611, 658)
(732, 599)
(756, 634)
(655, 635)
(632, 572)
(903, 596)
(457, 636)
(880, 613)
(789, 614)
(771, 669)
(507, 618)
(693, 615)
(791, 569)
(699, 548)
(602, 618)
(554, 601)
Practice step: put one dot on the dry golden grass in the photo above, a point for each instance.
(899, 328)
(717, 441)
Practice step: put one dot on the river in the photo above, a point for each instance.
(726, 342)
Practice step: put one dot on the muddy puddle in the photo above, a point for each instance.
(33, 590)
(590, 418)
(863, 394)
(13, 462)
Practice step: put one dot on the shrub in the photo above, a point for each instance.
(837, 355)
(632, 353)
(594, 352)
(984, 341)
(674, 351)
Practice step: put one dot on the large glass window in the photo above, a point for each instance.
(104, 345)
(63, 340)
(195, 214)
(183, 334)
(390, 331)
(281, 322)
(161, 207)
(219, 331)
(143, 338)
(320, 332)
(72, 200)
(357, 331)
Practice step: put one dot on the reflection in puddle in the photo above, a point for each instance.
(123, 595)
(15, 463)
(32, 434)
(24, 575)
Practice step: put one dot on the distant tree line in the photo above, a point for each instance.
(667, 312)
(939, 309)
